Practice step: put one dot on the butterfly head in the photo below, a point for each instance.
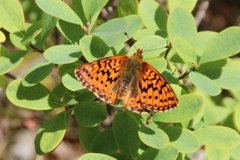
(138, 54)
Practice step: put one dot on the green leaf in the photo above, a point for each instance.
(51, 133)
(181, 24)
(2, 37)
(229, 77)
(12, 18)
(8, 60)
(93, 47)
(182, 33)
(236, 95)
(48, 23)
(148, 32)
(86, 136)
(224, 45)
(218, 137)
(167, 153)
(217, 154)
(184, 49)
(160, 64)
(214, 114)
(16, 40)
(134, 23)
(224, 73)
(60, 10)
(74, 34)
(112, 31)
(188, 5)
(127, 7)
(96, 156)
(189, 106)
(71, 83)
(125, 132)
(31, 33)
(84, 95)
(35, 97)
(235, 152)
(152, 46)
(204, 83)
(236, 118)
(37, 73)
(152, 15)
(59, 91)
(90, 113)
(182, 139)
(201, 40)
(92, 8)
(153, 137)
(62, 54)
(104, 142)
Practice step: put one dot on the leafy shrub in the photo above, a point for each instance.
(205, 117)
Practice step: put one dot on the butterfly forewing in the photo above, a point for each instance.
(101, 76)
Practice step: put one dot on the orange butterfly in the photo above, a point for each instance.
(130, 79)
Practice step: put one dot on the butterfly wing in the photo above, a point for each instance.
(101, 76)
(154, 92)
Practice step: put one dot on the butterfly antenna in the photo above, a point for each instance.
(125, 33)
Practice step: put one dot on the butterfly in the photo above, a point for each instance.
(140, 87)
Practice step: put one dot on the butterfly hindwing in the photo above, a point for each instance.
(100, 76)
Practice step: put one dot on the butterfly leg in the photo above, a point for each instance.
(148, 120)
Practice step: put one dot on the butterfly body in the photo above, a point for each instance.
(130, 79)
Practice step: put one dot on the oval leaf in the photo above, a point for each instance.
(224, 45)
(152, 46)
(116, 28)
(167, 153)
(71, 83)
(181, 24)
(60, 10)
(189, 106)
(96, 156)
(35, 97)
(218, 137)
(12, 18)
(93, 48)
(62, 54)
(51, 133)
(204, 83)
(182, 139)
(37, 74)
(184, 4)
(152, 15)
(125, 131)
(153, 137)
(90, 113)
(92, 8)
(182, 32)
(10, 61)
(217, 154)
(236, 118)
(104, 143)
(86, 136)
